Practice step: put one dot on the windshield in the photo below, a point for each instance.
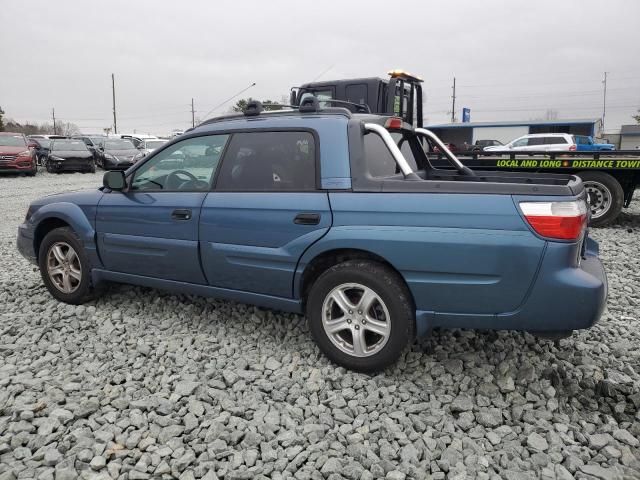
(96, 140)
(151, 144)
(118, 145)
(68, 145)
(12, 141)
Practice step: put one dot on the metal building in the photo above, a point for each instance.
(629, 137)
(459, 133)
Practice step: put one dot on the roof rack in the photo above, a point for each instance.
(310, 104)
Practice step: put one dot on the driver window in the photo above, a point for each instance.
(521, 143)
(184, 166)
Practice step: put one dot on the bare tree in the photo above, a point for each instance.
(67, 128)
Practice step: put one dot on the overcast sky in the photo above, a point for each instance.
(513, 60)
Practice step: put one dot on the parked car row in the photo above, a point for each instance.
(57, 153)
(551, 142)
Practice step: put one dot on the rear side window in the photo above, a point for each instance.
(403, 142)
(555, 140)
(534, 141)
(380, 162)
(269, 162)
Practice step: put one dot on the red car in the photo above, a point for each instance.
(15, 154)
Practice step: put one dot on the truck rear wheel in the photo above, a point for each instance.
(605, 197)
(361, 315)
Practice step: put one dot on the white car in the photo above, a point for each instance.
(538, 142)
(137, 138)
(148, 145)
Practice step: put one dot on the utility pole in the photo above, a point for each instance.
(193, 115)
(453, 102)
(113, 91)
(53, 114)
(604, 99)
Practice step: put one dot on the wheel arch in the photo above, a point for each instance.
(65, 214)
(328, 258)
(44, 227)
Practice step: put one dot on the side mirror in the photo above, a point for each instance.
(292, 96)
(114, 180)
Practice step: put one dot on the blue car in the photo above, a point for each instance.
(335, 215)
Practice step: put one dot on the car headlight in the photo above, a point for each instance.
(57, 159)
(26, 153)
(109, 156)
(139, 156)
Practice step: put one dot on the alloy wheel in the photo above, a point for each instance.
(356, 320)
(63, 267)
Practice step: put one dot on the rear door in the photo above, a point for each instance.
(265, 211)
(535, 144)
(152, 228)
(556, 144)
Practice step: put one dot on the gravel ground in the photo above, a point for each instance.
(142, 384)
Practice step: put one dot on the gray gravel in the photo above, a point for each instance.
(142, 384)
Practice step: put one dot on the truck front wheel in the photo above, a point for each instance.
(605, 197)
(361, 315)
(64, 266)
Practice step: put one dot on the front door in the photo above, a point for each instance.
(264, 212)
(151, 229)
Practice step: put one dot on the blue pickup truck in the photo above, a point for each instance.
(584, 143)
(336, 215)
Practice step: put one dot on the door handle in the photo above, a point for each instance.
(307, 219)
(181, 214)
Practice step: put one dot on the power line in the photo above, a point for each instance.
(229, 99)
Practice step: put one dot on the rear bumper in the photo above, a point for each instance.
(560, 300)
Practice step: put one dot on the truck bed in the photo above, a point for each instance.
(485, 182)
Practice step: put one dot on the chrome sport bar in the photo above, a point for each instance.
(393, 148)
(443, 148)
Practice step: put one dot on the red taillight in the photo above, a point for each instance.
(557, 220)
(573, 148)
(394, 123)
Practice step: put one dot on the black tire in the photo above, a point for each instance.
(49, 167)
(605, 192)
(92, 168)
(389, 287)
(83, 290)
